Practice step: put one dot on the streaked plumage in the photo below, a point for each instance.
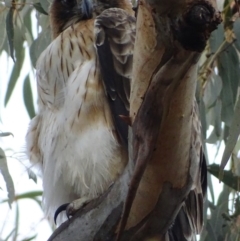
(77, 136)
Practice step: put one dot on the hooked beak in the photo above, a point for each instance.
(87, 8)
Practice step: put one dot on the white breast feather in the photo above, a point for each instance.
(78, 153)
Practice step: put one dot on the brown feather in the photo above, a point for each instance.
(64, 13)
(115, 35)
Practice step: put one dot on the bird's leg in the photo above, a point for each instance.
(73, 207)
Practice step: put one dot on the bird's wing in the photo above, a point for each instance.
(59, 60)
(189, 220)
(115, 36)
(51, 76)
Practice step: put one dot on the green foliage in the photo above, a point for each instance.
(10, 31)
(7, 177)
(28, 97)
(23, 23)
(227, 177)
(39, 8)
(219, 80)
(17, 31)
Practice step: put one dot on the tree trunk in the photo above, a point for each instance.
(170, 37)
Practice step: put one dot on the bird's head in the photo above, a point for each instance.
(64, 13)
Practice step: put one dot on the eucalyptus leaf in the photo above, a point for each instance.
(212, 139)
(39, 8)
(235, 70)
(228, 13)
(215, 226)
(43, 21)
(20, 54)
(236, 28)
(225, 133)
(21, 6)
(25, 25)
(18, 43)
(8, 3)
(4, 134)
(7, 177)
(227, 178)
(16, 223)
(214, 119)
(27, 195)
(205, 126)
(3, 33)
(27, 22)
(213, 90)
(31, 238)
(9, 235)
(10, 31)
(38, 202)
(216, 38)
(234, 132)
(236, 159)
(229, 71)
(32, 175)
(236, 207)
(224, 198)
(12, 82)
(45, 4)
(5, 45)
(209, 180)
(218, 122)
(28, 97)
(211, 236)
(32, 194)
(236, 163)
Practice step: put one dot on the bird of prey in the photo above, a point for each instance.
(79, 136)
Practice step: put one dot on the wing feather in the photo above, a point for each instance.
(115, 36)
(189, 220)
(55, 65)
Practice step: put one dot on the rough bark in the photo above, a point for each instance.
(170, 37)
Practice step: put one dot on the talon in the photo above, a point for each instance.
(59, 210)
(70, 210)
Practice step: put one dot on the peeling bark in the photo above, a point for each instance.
(163, 164)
